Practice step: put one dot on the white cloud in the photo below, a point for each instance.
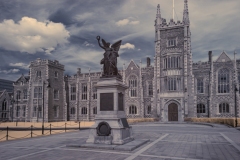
(30, 35)
(125, 22)
(21, 65)
(86, 43)
(127, 46)
(9, 71)
(134, 22)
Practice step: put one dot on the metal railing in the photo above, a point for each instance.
(50, 129)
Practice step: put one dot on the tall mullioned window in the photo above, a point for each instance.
(132, 109)
(172, 83)
(149, 109)
(72, 111)
(224, 107)
(73, 92)
(199, 85)
(171, 62)
(56, 94)
(39, 74)
(223, 81)
(84, 91)
(38, 92)
(201, 108)
(84, 110)
(18, 111)
(34, 113)
(25, 94)
(132, 86)
(171, 42)
(39, 111)
(150, 88)
(94, 90)
(24, 111)
(18, 96)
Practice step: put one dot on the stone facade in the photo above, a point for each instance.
(171, 89)
(5, 106)
(41, 94)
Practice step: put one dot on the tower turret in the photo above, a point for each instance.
(185, 13)
(158, 21)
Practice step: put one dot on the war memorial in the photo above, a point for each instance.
(170, 90)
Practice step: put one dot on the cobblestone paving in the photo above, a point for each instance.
(167, 142)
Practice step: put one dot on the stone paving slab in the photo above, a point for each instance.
(130, 146)
(168, 142)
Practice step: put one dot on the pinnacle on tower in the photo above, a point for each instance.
(185, 13)
(158, 16)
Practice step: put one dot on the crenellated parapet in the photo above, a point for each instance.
(41, 62)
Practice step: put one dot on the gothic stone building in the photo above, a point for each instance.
(171, 89)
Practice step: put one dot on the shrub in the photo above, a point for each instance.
(228, 121)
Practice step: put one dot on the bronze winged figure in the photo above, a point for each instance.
(109, 60)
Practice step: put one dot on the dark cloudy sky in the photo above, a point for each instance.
(66, 30)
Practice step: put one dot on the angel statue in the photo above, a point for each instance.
(109, 60)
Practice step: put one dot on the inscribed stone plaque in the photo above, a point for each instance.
(120, 101)
(106, 101)
(124, 122)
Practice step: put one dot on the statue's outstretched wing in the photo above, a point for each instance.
(116, 45)
(104, 43)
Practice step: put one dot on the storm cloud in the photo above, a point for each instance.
(25, 32)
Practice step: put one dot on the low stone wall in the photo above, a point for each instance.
(228, 121)
(136, 120)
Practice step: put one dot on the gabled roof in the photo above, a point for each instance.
(223, 57)
(133, 65)
(2, 92)
(23, 78)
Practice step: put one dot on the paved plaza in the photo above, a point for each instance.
(169, 141)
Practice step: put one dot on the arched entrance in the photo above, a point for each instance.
(172, 112)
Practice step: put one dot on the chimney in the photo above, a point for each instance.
(210, 56)
(79, 71)
(148, 62)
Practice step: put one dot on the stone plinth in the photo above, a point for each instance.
(111, 125)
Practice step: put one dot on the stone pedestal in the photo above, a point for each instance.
(111, 126)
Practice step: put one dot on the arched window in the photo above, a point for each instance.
(201, 108)
(132, 109)
(94, 110)
(149, 109)
(223, 107)
(223, 81)
(132, 86)
(84, 110)
(72, 110)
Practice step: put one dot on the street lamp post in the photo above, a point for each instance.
(43, 104)
(236, 90)
(17, 108)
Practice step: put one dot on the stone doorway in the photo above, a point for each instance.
(172, 112)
